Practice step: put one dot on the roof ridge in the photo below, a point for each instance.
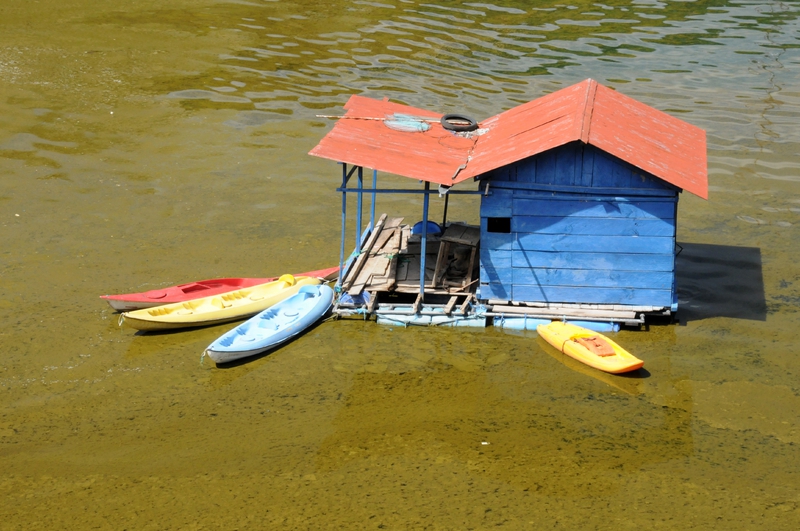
(588, 109)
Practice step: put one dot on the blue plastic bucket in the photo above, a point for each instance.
(433, 228)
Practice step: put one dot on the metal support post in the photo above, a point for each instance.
(424, 243)
(359, 203)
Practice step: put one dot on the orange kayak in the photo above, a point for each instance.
(592, 348)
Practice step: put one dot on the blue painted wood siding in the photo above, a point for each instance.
(582, 166)
(566, 243)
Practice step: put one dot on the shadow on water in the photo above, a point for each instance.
(167, 332)
(720, 281)
(250, 359)
(638, 374)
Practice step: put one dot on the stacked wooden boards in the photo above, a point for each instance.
(376, 265)
(390, 261)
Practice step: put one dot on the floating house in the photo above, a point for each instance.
(579, 193)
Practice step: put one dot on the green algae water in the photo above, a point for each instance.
(146, 144)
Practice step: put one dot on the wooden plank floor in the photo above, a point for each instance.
(392, 264)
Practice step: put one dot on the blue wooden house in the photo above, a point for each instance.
(579, 196)
(577, 226)
(587, 227)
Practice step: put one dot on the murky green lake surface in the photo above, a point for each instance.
(145, 144)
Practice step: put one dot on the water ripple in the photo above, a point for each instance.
(712, 64)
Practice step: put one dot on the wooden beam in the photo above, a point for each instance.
(463, 307)
(373, 301)
(568, 306)
(362, 257)
(417, 304)
(559, 312)
(450, 304)
(357, 286)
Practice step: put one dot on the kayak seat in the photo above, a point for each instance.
(271, 314)
(197, 286)
(596, 345)
(221, 303)
(156, 294)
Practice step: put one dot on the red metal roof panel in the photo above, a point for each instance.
(647, 138)
(362, 138)
(529, 129)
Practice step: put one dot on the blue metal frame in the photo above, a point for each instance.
(360, 190)
(423, 251)
(359, 203)
(345, 178)
(372, 206)
(408, 191)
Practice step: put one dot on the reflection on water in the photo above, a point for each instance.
(153, 144)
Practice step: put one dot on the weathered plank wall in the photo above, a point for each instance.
(576, 225)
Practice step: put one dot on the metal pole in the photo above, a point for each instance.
(424, 245)
(344, 228)
(417, 192)
(444, 215)
(374, 186)
(359, 203)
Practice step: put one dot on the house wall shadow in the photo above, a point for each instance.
(719, 281)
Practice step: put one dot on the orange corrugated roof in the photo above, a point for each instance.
(647, 138)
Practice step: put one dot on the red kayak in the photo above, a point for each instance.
(196, 290)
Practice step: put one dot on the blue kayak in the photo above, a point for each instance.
(273, 326)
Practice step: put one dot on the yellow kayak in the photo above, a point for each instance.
(592, 348)
(230, 306)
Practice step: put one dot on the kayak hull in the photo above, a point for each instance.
(572, 340)
(217, 309)
(195, 290)
(274, 325)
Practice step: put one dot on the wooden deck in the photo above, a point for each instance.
(389, 266)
